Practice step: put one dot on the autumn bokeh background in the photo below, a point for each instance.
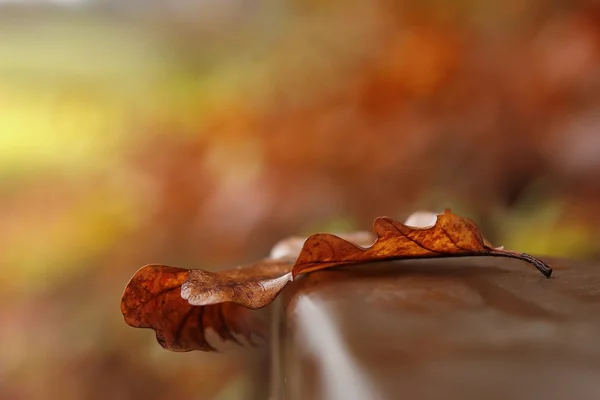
(198, 133)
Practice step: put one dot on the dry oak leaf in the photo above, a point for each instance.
(154, 299)
(450, 236)
(182, 305)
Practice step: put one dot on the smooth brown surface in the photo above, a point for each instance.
(473, 328)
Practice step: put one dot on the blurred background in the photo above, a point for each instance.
(198, 133)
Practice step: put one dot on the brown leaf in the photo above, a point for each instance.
(451, 236)
(153, 299)
(181, 305)
(252, 286)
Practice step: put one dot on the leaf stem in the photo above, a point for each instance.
(539, 264)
